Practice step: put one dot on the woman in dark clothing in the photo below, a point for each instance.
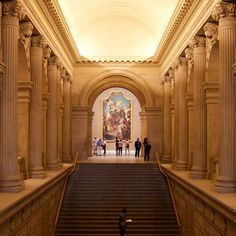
(147, 148)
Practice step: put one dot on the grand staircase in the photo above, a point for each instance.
(97, 193)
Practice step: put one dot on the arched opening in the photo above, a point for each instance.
(82, 117)
(116, 113)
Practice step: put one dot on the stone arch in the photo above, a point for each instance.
(116, 78)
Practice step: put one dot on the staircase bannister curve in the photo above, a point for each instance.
(172, 197)
(64, 188)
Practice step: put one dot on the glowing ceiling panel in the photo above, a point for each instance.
(114, 30)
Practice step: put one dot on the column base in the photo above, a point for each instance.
(166, 159)
(197, 174)
(225, 185)
(181, 165)
(11, 184)
(67, 158)
(38, 173)
(54, 166)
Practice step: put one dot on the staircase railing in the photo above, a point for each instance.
(171, 193)
(64, 189)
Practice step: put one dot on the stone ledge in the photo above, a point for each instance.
(10, 203)
(205, 190)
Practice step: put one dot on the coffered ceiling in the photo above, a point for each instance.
(117, 29)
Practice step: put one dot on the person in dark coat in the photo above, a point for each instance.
(122, 222)
(137, 146)
(147, 148)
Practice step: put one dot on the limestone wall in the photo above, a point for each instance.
(34, 211)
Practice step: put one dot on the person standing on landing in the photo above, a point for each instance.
(147, 148)
(137, 146)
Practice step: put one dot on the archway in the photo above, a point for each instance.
(82, 117)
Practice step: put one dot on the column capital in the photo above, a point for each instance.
(224, 9)
(46, 52)
(13, 8)
(53, 60)
(197, 41)
(26, 30)
(63, 73)
(37, 41)
(211, 32)
(67, 78)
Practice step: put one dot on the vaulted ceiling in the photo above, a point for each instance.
(117, 29)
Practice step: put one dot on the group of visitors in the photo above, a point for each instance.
(98, 146)
(119, 147)
(101, 144)
(147, 148)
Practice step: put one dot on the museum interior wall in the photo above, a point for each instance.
(187, 109)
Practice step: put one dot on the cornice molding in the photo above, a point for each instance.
(194, 19)
(42, 14)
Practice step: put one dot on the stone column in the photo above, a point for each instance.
(9, 175)
(36, 62)
(225, 13)
(45, 98)
(24, 96)
(154, 130)
(189, 100)
(199, 166)
(211, 88)
(176, 102)
(66, 151)
(61, 110)
(182, 160)
(52, 115)
(143, 120)
(167, 120)
(172, 112)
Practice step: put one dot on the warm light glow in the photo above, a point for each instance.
(124, 29)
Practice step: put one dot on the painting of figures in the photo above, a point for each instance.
(117, 117)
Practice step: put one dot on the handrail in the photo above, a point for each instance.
(64, 189)
(171, 193)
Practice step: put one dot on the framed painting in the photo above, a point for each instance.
(116, 117)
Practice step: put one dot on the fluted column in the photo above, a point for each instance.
(36, 62)
(61, 110)
(45, 98)
(66, 151)
(172, 113)
(52, 115)
(176, 102)
(9, 175)
(189, 100)
(167, 120)
(226, 14)
(199, 165)
(182, 160)
(89, 139)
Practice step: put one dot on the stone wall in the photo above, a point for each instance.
(34, 214)
(202, 213)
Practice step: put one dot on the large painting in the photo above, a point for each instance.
(117, 117)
